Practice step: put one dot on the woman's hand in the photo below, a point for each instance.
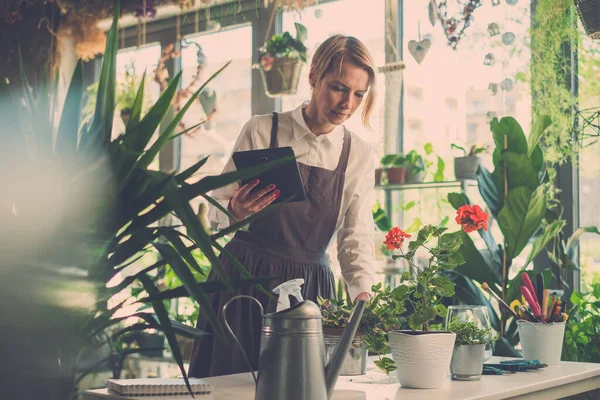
(245, 202)
(363, 296)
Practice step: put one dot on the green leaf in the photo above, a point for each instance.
(136, 110)
(399, 292)
(165, 322)
(479, 265)
(165, 136)
(441, 309)
(416, 224)
(439, 173)
(520, 169)
(443, 286)
(596, 290)
(418, 319)
(537, 158)
(190, 284)
(489, 191)
(457, 200)
(520, 218)
(181, 177)
(573, 241)
(550, 231)
(301, 32)
(102, 122)
(428, 148)
(183, 251)
(380, 218)
(67, 135)
(541, 123)
(576, 298)
(509, 127)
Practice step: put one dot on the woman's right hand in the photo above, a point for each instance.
(245, 202)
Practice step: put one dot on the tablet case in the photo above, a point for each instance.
(286, 177)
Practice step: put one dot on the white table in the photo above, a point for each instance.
(555, 382)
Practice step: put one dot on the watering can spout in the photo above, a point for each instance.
(332, 370)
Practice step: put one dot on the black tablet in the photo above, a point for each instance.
(286, 177)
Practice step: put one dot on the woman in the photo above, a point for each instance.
(290, 242)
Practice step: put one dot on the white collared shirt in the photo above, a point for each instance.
(355, 224)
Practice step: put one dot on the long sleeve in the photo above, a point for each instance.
(218, 219)
(354, 238)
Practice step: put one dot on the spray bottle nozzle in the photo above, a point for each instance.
(286, 289)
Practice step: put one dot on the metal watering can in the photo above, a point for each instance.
(291, 364)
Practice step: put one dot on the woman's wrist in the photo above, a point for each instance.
(230, 210)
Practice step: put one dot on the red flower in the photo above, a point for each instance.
(471, 218)
(394, 238)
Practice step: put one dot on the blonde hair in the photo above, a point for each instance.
(330, 56)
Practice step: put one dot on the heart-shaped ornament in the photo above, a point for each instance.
(418, 49)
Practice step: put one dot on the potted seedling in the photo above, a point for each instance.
(469, 350)
(380, 315)
(465, 167)
(423, 353)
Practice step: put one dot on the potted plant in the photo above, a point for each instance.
(126, 92)
(380, 315)
(465, 167)
(469, 348)
(395, 171)
(415, 167)
(280, 62)
(423, 354)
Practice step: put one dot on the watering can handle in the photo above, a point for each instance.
(262, 313)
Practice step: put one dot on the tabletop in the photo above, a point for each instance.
(565, 379)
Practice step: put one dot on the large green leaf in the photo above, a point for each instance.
(136, 110)
(457, 200)
(520, 172)
(479, 265)
(489, 191)
(520, 218)
(66, 138)
(508, 128)
(550, 231)
(181, 248)
(540, 124)
(102, 122)
(165, 135)
(165, 322)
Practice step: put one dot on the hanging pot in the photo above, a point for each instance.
(422, 358)
(283, 77)
(589, 12)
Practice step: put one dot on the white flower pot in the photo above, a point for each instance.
(542, 342)
(422, 358)
(467, 362)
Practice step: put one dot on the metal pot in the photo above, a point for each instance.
(466, 167)
(355, 362)
(467, 362)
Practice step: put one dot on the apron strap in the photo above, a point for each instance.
(274, 144)
(345, 152)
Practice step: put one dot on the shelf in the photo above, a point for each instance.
(428, 185)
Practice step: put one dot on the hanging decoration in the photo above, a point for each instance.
(493, 29)
(418, 49)
(493, 88)
(455, 25)
(495, 2)
(508, 38)
(586, 126)
(507, 85)
(296, 5)
(433, 16)
(489, 59)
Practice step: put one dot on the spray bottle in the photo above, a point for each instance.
(286, 289)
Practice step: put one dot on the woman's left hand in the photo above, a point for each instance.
(363, 296)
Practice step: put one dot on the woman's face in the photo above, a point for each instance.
(338, 96)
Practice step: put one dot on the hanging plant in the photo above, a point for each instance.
(550, 81)
(280, 61)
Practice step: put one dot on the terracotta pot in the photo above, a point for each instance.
(396, 175)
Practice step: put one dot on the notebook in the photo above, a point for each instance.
(157, 386)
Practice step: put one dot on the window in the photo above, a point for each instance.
(228, 94)
(324, 20)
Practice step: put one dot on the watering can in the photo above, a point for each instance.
(291, 364)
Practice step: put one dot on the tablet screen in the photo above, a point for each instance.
(286, 177)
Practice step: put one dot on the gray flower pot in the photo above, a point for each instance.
(466, 167)
(467, 362)
(414, 177)
(355, 362)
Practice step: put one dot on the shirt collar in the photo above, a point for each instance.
(300, 129)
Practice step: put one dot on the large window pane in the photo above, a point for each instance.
(325, 20)
(231, 91)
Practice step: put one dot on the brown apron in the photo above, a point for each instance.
(290, 242)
